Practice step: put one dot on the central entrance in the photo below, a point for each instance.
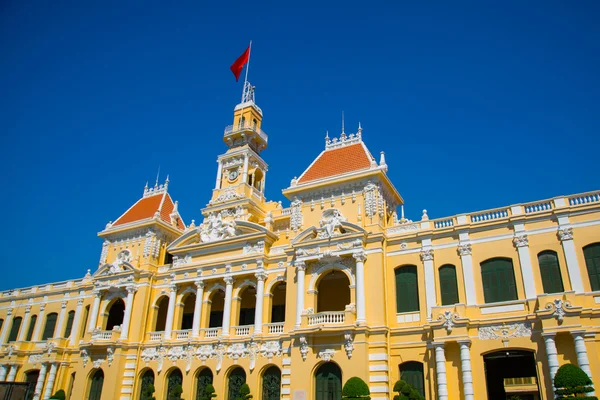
(328, 382)
(511, 373)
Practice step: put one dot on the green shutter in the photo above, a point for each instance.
(498, 279)
(271, 384)
(31, 327)
(550, 271)
(328, 383)
(50, 326)
(592, 261)
(407, 290)
(14, 329)
(96, 385)
(69, 326)
(448, 285)
(411, 372)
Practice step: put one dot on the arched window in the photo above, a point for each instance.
(328, 382)
(247, 306)
(14, 329)
(161, 314)
(411, 372)
(237, 378)
(204, 378)
(174, 384)
(498, 277)
(69, 326)
(96, 382)
(31, 327)
(187, 318)
(550, 271)
(50, 326)
(271, 384)
(115, 314)
(86, 314)
(448, 285)
(278, 302)
(216, 309)
(407, 290)
(592, 262)
(147, 380)
(333, 291)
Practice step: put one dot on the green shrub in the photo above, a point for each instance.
(244, 392)
(571, 381)
(209, 392)
(59, 395)
(356, 388)
(175, 393)
(147, 393)
(406, 391)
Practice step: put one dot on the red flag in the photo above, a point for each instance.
(238, 65)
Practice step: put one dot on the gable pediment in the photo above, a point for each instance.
(342, 230)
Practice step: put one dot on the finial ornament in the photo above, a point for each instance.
(343, 133)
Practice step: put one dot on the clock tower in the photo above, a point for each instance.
(240, 184)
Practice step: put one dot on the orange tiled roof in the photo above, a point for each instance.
(337, 161)
(147, 207)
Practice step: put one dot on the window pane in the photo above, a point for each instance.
(50, 325)
(412, 373)
(31, 327)
(69, 326)
(448, 285)
(550, 271)
(407, 291)
(592, 262)
(14, 330)
(498, 279)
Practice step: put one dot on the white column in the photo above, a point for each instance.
(76, 321)
(300, 268)
(12, 373)
(551, 353)
(219, 173)
(440, 367)
(227, 311)
(467, 372)
(245, 174)
(131, 289)
(566, 237)
(7, 325)
(58, 330)
(582, 357)
(521, 242)
(2, 372)
(171, 311)
(95, 310)
(50, 383)
(198, 308)
(361, 313)
(25, 325)
(38, 324)
(430, 295)
(464, 250)
(40, 383)
(260, 299)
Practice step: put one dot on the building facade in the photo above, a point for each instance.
(294, 301)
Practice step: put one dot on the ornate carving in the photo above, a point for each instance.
(405, 227)
(300, 265)
(504, 331)
(179, 261)
(303, 347)
(521, 241)
(131, 289)
(350, 245)
(85, 357)
(261, 275)
(308, 252)
(252, 352)
(37, 358)
(360, 256)
(326, 355)
(216, 229)
(199, 283)
(331, 220)
(348, 344)
(219, 355)
(229, 280)
(427, 255)
(176, 353)
(104, 252)
(204, 352)
(27, 308)
(270, 349)
(227, 195)
(296, 214)
(148, 243)
(565, 234)
(464, 250)
(249, 248)
(560, 308)
(236, 351)
(370, 199)
(97, 362)
(110, 355)
(448, 318)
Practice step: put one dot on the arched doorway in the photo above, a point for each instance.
(271, 384)
(174, 383)
(147, 379)
(96, 382)
(162, 306)
(115, 314)
(31, 378)
(187, 317)
(333, 292)
(328, 382)
(247, 306)
(507, 371)
(237, 378)
(204, 378)
(217, 306)
(412, 372)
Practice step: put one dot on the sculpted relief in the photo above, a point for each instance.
(214, 228)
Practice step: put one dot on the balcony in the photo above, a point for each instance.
(104, 336)
(245, 127)
(327, 318)
(243, 330)
(274, 328)
(211, 333)
(156, 336)
(183, 334)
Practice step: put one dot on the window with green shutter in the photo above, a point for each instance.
(448, 285)
(31, 327)
(407, 290)
(592, 262)
(69, 327)
(1, 323)
(14, 329)
(50, 326)
(411, 372)
(498, 277)
(550, 271)
(97, 381)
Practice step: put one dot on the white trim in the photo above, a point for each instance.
(286, 371)
(378, 368)
(403, 318)
(378, 389)
(378, 378)
(286, 361)
(486, 309)
(378, 357)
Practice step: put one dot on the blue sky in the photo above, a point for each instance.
(476, 104)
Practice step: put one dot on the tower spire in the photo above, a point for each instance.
(157, 175)
(343, 123)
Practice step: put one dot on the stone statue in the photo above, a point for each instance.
(217, 229)
(330, 221)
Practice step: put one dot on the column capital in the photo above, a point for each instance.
(97, 292)
(173, 288)
(42, 307)
(550, 335)
(261, 276)
(466, 342)
(464, 249)
(27, 308)
(438, 344)
(199, 283)
(427, 255)
(565, 234)
(9, 312)
(582, 333)
(63, 304)
(80, 302)
(229, 280)
(131, 289)
(300, 265)
(360, 256)
(520, 240)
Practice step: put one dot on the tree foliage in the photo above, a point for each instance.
(175, 393)
(59, 395)
(209, 392)
(406, 391)
(244, 392)
(570, 381)
(356, 388)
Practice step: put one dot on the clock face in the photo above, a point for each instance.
(233, 174)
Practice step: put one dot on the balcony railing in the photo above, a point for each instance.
(182, 334)
(327, 318)
(102, 335)
(155, 336)
(274, 328)
(243, 330)
(245, 126)
(210, 333)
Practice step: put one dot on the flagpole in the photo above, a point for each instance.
(248, 64)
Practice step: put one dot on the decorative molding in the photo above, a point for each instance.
(270, 349)
(565, 234)
(257, 248)
(227, 195)
(405, 227)
(448, 317)
(178, 261)
(214, 228)
(521, 241)
(560, 309)
(370, 191)
(505, 331)
(427, 255)
(303, 347)
(296, 214)
(464, 249)
(348, 344)
(331, 221)
(326, 355)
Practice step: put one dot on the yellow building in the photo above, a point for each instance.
(294, 301)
